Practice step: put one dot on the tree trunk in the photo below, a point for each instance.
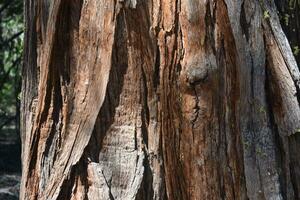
(134, 99)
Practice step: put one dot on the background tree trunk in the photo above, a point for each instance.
(290, 20)
(134, 99)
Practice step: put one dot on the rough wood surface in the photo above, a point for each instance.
(134, 99)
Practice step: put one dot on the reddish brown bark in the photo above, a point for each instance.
(159, 100)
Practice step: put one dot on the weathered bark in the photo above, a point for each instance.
(133, 99)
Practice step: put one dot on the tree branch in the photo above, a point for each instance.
(4, 43)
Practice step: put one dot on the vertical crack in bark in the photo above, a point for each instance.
(243, 21)
(196, 111)
(109, 187)
(145, 108)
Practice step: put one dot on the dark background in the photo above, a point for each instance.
(11, 45)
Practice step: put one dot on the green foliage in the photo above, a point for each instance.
(262, 110)
(266, 14)
(260, 152)
(293, 4)
(11, 47)
(296, 50)
(289, 17)
(286, 19)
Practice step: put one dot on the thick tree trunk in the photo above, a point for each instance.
(135, 99)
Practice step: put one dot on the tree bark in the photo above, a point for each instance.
(134, 99)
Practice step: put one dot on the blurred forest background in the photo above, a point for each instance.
(11, 47)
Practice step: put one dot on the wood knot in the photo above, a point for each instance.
(199, 68)
(197, 73)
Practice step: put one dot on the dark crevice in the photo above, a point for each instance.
(294, 144)
(243, 22)
(66, 188)
(210, 27)
(146, 192)
(156, 75)
(135, 138)
(145, 109)
(83, 178)
(108, 184)
(222, 145)
(196, 111)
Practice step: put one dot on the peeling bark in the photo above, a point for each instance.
(185, 99)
